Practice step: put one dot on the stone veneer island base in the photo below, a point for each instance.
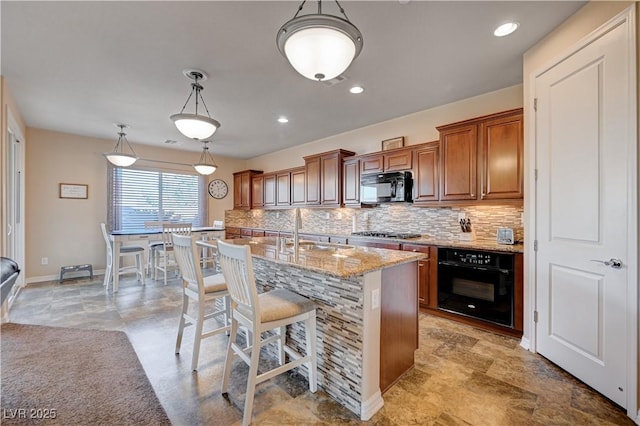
(367, 316)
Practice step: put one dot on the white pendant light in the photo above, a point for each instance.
(319, 46)
(204, 166)
(118, 157)
(195, 126)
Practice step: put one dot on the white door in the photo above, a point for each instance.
(15, 205)
(585, 199)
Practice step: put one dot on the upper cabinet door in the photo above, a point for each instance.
(257, 191)
(458, 160)
(283, 189)
(351, 179)
(501, 154)
(331, 166)
(270, 190)
(372, 164)
(398, 160)
(298, 187)
(426, 174)
(312, 168)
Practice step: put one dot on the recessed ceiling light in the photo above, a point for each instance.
(506, 29)
(283, 120)
(356, 90)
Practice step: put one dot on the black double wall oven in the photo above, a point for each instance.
(477, 284)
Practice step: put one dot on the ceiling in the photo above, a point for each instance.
(79, 67)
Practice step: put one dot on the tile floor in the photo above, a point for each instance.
(462, 376)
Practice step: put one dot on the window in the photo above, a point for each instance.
(140, 195)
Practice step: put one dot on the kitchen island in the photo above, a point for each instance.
(367, 315)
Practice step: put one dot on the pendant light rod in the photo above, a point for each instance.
(195, 126)
(118, 157)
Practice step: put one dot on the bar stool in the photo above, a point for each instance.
(162, 261)
(273, 310)
(199, 290)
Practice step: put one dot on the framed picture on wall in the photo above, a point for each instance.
(73, 190)
(393, 143)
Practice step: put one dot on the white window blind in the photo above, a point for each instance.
(137, 196)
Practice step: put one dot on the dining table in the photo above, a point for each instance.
(120, 238)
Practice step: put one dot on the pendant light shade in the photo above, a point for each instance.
(319, 46)
(205, 165)
(195, 126)
(118, 157)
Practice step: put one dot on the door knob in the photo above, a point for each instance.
(613, 262)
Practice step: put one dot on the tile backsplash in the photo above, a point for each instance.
(441, 222)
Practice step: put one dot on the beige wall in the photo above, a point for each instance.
(9, 107)
(67, 231)
(416, 128)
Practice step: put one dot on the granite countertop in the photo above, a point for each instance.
(339, 260)
(478, 244)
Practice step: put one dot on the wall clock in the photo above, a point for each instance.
(218, 188)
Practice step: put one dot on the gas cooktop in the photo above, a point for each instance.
(381, 234)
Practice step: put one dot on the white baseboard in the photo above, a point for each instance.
(56, 277)
(637, 419)
(524, 342)
(371, 406)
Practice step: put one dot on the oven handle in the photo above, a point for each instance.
(474, 267)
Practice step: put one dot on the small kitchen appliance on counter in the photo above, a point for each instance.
(505, 236)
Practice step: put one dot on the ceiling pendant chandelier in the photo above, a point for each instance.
(195, 126)
(118, 157)
(205, 165)
(319, 46)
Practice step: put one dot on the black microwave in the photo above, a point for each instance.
(386, 187)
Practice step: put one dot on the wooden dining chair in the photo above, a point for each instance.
(163, 259)
(273, 310)
(113, 265)
(199, 290)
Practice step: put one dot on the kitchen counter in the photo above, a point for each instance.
(489, 244)
(367, 312)
(338, 260)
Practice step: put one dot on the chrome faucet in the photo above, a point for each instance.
(297, 224)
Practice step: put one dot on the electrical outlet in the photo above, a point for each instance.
(461, 216)
(375, 298)
(45, 260)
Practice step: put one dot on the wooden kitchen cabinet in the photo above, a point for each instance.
(351, 182)
(242, 189)
(426, 173)
(427, 275)
(298, 177)
(324, 178)
(458, 162)
(391, 245)
(232, 232)
(502, 157)
(482, 158)
(389, 161)
(283, 189)
(257, 191)
(269, 190)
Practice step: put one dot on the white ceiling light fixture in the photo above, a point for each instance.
(506, 29)
(205, 165)
(283, 120)
(319, 46)
(118, 156)
(195, 126)
(356, 90)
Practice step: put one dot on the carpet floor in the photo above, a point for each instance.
(74, 377)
